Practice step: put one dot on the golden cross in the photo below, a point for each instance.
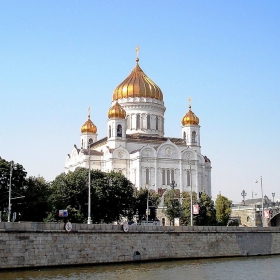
(88, 112)
(137, 51)
(190, 101)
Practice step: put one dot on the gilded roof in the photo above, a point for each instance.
(88, 126)
(137, 84)
(116, 111)
(190, 118)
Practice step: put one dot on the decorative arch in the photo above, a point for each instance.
(147, 151)
(168, 150)
(120, 153)
(189, 154)
(273, 212)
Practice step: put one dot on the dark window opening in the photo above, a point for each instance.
(119, 131)
(148, 122)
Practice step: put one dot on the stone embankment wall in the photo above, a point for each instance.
(48, 244)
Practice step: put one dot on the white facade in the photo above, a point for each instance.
(135, 144)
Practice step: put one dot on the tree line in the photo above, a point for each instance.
(113, 197)
(178, 205)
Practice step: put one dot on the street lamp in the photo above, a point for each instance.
(173, 185)
(262, 202)
(243, 194)
(89, 221)
(273, 195)
(191, 193)
(147, 210)
(148, 199)
(10, 190)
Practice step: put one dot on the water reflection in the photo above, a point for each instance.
(229, 268)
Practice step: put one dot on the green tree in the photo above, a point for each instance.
(34, 205)
(207, 211)
(111, 196)
(172, 203)
(223, 210)
(207, 214)
(186, 207)
(70, 191)
(140, 206)
(18, 181)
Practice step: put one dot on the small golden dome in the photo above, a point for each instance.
(116, 111)
(137, 84)
(88, 126)
(190, 118)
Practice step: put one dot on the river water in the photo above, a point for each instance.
(202, 269)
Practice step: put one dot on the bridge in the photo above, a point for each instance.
(271, 214)
(250, 214)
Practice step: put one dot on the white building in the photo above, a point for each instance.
(135, 144)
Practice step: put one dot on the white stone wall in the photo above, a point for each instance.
(144, 107)
(48, 244)
(167, 159)
(189, 139)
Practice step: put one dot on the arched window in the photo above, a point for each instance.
(163, 176)
(156, 122)
(119, 131)
(188, 179)
(82, 143)
(184, 136)
(138, 122)
(147, 176)
(168, 177)
(148, 122)
(193, 137)
(110, 134)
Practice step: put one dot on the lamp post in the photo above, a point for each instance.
(190, 173)
(191, 197)
(273, 195)
(89, 221)
(262, 202)
(243, 194)
(147, 210)
(173, 185)
(10, 190)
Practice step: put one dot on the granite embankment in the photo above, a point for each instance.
(49, 244)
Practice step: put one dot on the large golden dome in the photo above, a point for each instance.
(116, 111)
(88, 126)
(137, 84)
(190, 118)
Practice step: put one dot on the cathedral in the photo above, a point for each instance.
(136, 146)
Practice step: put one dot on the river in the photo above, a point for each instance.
(200, 269)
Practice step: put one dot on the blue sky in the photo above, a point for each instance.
(60, 57)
